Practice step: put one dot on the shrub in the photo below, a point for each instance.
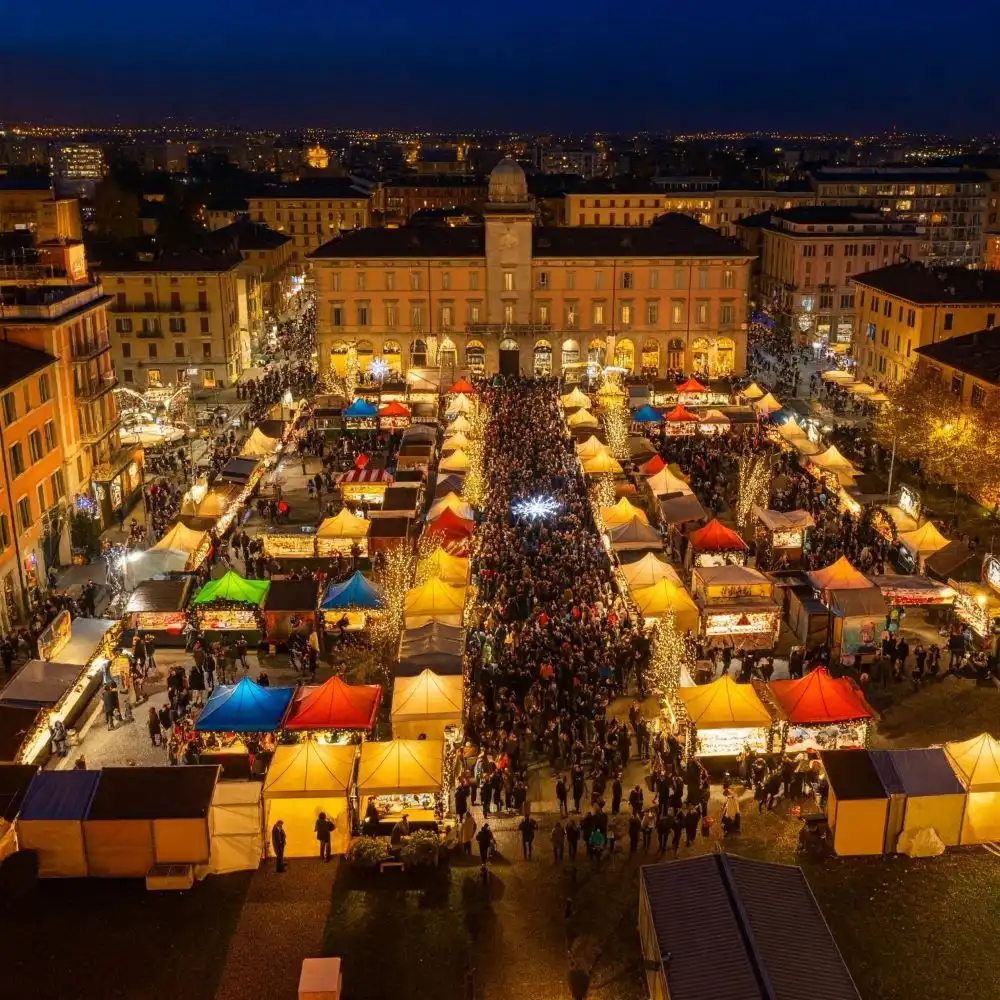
(421, 850)
(367, 852)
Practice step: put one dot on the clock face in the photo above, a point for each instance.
(508, 240)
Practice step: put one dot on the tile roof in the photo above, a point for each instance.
(18, 362)
(921, 284)
(975, 354)
(755, 921)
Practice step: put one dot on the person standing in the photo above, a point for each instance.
(616, 795)
(561, 795)
(109, 702)
(486, 842)
(324, 827)
(647, 827)
(527, 828)
(572, 837)
(461, 801)
(278, 840)
(558, 842)
(467, 833)
(634, 829)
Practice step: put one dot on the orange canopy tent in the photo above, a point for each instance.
(653, 466)
(680, 413)
(716, 537)
(840, 575)
(462, 385)
(450, 525)
(691, 385)
(334, 705)
(820, 699)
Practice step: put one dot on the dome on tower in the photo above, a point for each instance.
(508, 185)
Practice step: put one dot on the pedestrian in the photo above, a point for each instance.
(634, 829)
(558, 841)
(648, 825)
(324, 827)
(616, 795)
(692, 817)
(527, 828)
(278, 840)
(635, 801)
(662, 832)
(486, 842)
(467, 832)
(572, 837)
(153, 725)
(461, 801)
(561, 796)
(57, 734)
(109, 702)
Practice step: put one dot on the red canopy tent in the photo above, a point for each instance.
(818, 698)
(653, 466)
(394, 409)
(716, 537)
(679, 413)
(361, 461)
(334, 705)
(462, 385)
(691, 385)
(449, 524)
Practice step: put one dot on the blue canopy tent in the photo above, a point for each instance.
(356, 592)
(647, 415)
(360, 408)
(51, 821)
(244, 708)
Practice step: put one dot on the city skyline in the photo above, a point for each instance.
(565, 69)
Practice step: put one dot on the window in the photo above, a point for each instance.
(508, 281)
(335, 281)
(572, 315)
(678, 277)
(148, 300)
(179, 349)
(626, 314)
(50, 435)
(701, 311)
(126, 350)
(654, 278)
(543, 279)
(177, 324)
(726, 314)
(676, 313)
(846, 301)
(703, 277)
(175, 299)
(826, 301)
(35, 446)
(391, 314)
(359, 280)
(827, 249)
(809, 250)
(728, 278)
(598, 314)
(978, 395)
(957, 382)
(867, 249)
(23, 514)
(128, 375)
(598, 279)
(123, 324)
(474, 280)
(446, 316)
(949, 320)
(337, 314)
(473, 312)
(40, 493)
(16, 459)
(851, 250)
(571, 279)
(204, 324)
(202, 301)
(27, 398)
(628, 279)
(206, 351)
(9, 408)
(58, 485)
(652, 313)
(362, 313)
(543, 312)
(390, 280)
(4, 531)
(415, 281)
(152, 350)
(508, 314)
(417, 316)
(44, 392)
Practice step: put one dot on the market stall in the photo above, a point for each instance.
(832, 463)
(434, 600)
(621, 513)
(751, 392)
(259, 445)
(593, 447)
(664, 483)
(445, 567)
(393, 416)
(365, 485)
(715, 545)
(422, 434)
(425, 706)
(737, 603)
(460, 424)
(50, 821)
(305, 779)
(575, 400)
(459, 405)
(245, 471)
(17, 724)
(857, 608)
(454, 532)
(387, 532)
(455, 442)
(713, 422)
(39, 684)
(663, 597)
(453, 502)
(403, 776)
(923, 793)
(236, 828)
(355, 599)
(415, 456)
(334, 707)
(245, 707)
(976, 763)
(457, 461)
(634, 535)
(202, 501)
(922, 543)
(902, 592)
(157, 608)
(289, 541)
(435, 645)
(680, 421)
(345, 533)
(581, 419)
(681, 509)
(649, 569)
(462, 387)
(781, 535)
(766, 405)
(145, 816)
(727, 718)
(400, 500)
(360, 416)
(652, 467)
(290, 606)
(857, 807)
(448, 483)
(647, 416)
(822, 713)
(231, 606)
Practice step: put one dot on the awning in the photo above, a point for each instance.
(412, 766)
(724, 704)
(232, 587)
(355, 592)
(819, 699)
(334, 705)
(245, 707)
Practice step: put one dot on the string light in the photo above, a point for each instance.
(535, 507)
(378, 368)
(474, 487)
(669, 652)
(352, 372)
(602, 493)
(393, 578)
(617, 421)
(755, 487)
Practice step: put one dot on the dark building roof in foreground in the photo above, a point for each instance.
(672, 235)
(920, 283)
(18, 362)
(197, 256)
(914, 175)
(312, 188)
(753, 923)
(249, 235)
(975, 354)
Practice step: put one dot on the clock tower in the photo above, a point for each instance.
(509, 215)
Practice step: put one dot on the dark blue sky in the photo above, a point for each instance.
(593, 64)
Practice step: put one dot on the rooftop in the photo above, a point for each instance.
(890, 173)
(921, 284)
(249, 235)
(139, 256)
(976, 354)
(672, 235)
(18, 362)
(34, 304)
(314, 188)
(437, 181)
(807, 220)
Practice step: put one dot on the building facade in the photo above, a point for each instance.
(907, 306)
(176, 317)
(267, 257)
(396, 201)
(511, 296)
(968, 365)
(312, 212)
(808, 258)
(34, 208)
(949, 204)
(77, 168)
(33, 485)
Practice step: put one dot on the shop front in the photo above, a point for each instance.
(117, 485)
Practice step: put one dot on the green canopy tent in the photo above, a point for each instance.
(230, 606)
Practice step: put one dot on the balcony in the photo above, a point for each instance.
(156, 333)
(93, 388)
(88, 350)
(142, 307)
(507, 329)
(93, 435)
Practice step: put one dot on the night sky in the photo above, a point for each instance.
(856, 65)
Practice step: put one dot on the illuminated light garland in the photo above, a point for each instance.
(602, 494)
(617, 420)
(352, 372)
(535, 507)
(755, 488)
(668, 653)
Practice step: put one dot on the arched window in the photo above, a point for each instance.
(509, 345)
(570, 353)
(625, 354)
(699, 355)
(543, 359)
(392, 355)
(418, 353)
(447, 353)
(365, 350)
(675, 354)
(475, 356)
(650, 357)
(595, 352)
(338, 357)
(725, 356)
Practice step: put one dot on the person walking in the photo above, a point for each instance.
(634, 829)
(647, 826)
(324, 827)
(561, 796)
(467, 833)
(572, 837)
(278, 840)
(616, 795)
(558, 842)
(109, 702)
(486, 842)
(636, 800)
(527, 828)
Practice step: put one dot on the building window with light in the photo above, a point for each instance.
(508, 315)
(508, 281)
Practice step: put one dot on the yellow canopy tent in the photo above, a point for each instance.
(621, 513)
(442, 565)
(402, 767)
(634, 534)
(767, 405)
(664, 596)
(259, 445)
(603, 464)
(344, 525)
(976, 763)
(426, 705)
(460, 425)
(924, 541)
(582, 418)
(457, 461)
(752, 391)
(665, 482)
(182, 539)
(791, 431)
(434, 599)
(649, 570)
(724, 704)
(453, 502)
(303, 780)
(591, 447)
(576, 398)
(837, 375)
(460, 404)
(840, 575)
(453, 442)
(832, 461)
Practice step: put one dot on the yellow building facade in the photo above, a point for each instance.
(911, 305)
(509, 296)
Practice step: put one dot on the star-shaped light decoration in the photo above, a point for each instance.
(535, 507)
(378, 368)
